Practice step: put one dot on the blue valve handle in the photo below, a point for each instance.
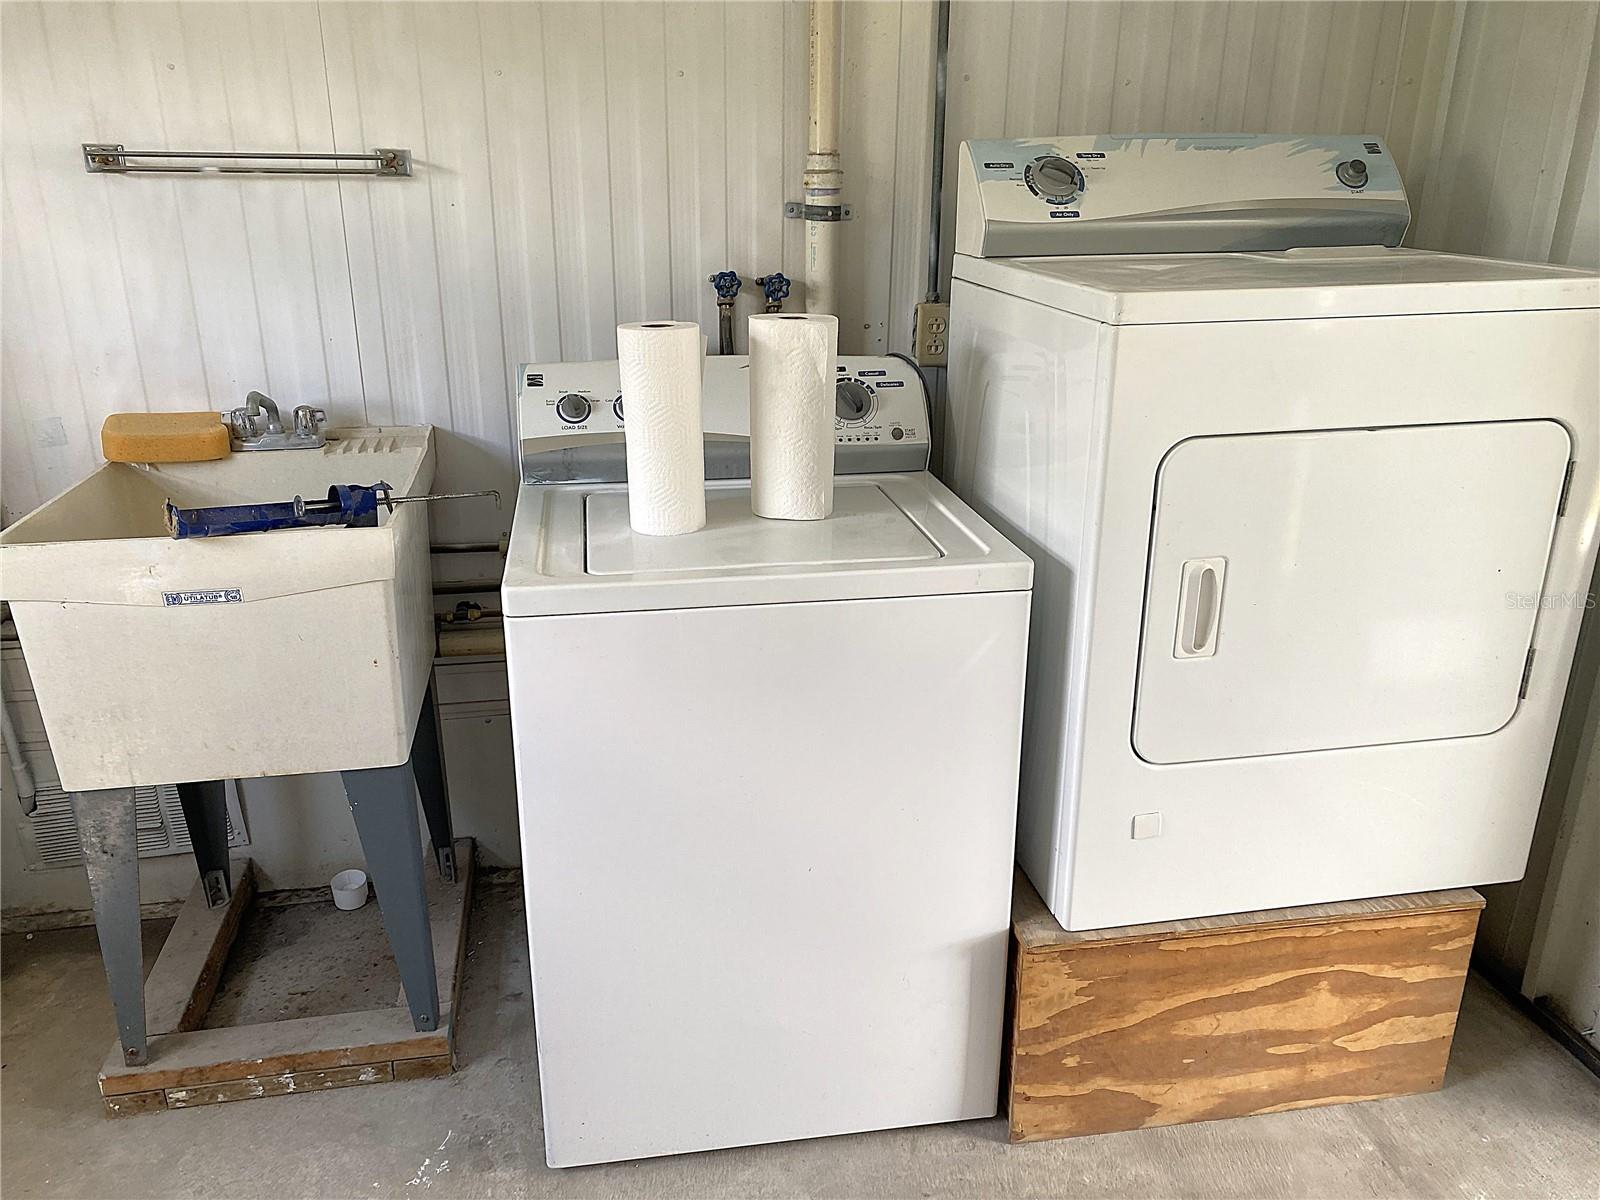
(349, 504)
(726, 284)
(775, 287)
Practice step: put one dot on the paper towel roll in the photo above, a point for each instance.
(660, 363)
(792, 357)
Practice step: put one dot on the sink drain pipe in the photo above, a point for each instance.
(21, 772)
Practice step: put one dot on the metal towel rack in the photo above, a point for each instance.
(100, 157)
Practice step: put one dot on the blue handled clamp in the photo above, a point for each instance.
(351, 505)
(348, 504)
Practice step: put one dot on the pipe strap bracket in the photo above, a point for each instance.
(797, 210)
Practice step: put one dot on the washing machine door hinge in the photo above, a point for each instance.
(1566, 489)
(1527, 670)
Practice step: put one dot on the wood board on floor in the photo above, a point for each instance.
(189, 1066)
(187, 971)
(1127, 1028)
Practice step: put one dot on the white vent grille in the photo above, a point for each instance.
(53, 832)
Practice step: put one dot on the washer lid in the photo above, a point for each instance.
(573, 551)
(865, 528)
(1163, 289)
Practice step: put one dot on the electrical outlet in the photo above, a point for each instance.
(933, 334)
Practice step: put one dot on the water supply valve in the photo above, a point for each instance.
(726, 284)
(775, 288)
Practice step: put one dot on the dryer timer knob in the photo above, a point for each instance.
(852, 401)
(1054, 178)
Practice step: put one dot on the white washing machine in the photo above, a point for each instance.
(767, 781)
(1313, 518)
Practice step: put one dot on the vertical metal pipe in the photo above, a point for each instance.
(941, 65)
(824, 177)
(21, 772)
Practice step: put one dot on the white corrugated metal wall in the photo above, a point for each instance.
(1515, 158)
(578, 165)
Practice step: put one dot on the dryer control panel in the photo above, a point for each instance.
(572, 418)
(1211, 193)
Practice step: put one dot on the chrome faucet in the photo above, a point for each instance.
(248, 430)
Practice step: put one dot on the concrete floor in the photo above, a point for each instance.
(305, 960)
(1517, 1117)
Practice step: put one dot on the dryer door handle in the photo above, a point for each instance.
(1199, 607)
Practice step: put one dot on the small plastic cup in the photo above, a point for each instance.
(349, 889)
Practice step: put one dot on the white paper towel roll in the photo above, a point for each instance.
(792, 357)
(660, 363)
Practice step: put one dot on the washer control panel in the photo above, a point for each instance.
(572, 418)
(1111, 194)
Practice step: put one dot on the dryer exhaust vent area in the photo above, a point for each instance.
(1313, 591)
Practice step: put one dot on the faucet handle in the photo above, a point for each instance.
(307, 419)
(243, 422)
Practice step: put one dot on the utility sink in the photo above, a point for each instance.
(163, 661)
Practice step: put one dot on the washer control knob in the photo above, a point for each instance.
(1054, 178)
(1352, 173)
(852, 400)
(616, 407)
(573, 408)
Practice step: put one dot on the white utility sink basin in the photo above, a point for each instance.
(164, 661)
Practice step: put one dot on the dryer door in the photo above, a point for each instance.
(1310, 591)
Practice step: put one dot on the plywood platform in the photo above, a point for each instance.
(1125, 1028)
(190, 1065)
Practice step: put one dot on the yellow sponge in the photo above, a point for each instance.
(164, 437)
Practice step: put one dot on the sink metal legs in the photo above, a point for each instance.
(384, 806)
(205, 812)
(383, 802)
(108, 831)
(427, 763)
